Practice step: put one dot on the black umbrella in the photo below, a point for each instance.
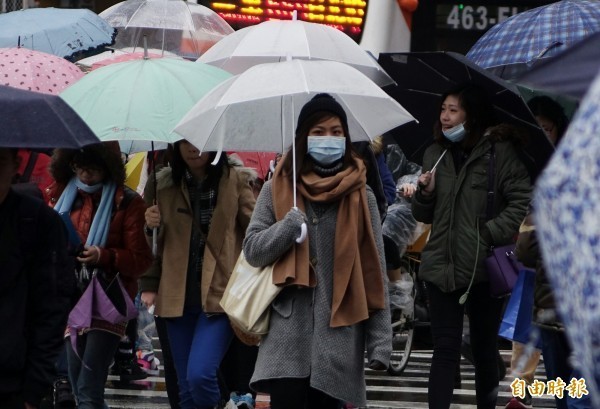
(39, 121)
(570, 73)
(422, 77)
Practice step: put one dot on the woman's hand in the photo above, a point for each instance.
(408, 189)
(148, 298)
(89, 255)
(427, 182)
(152, 216)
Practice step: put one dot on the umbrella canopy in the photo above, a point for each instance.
(275, 40)
(257, 110)
(180, 27)
(139, 101)
(40, 121)
(512, 47)
(123, 58)
(422, 78)
(36, 71)
(583, 62)
(567, 204)
(87, 63)
(61, 32)
(259, 161)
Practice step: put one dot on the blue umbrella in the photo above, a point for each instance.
(567, 201)
(61, 32)
(513, 46)
(583, 62)
(40, 121)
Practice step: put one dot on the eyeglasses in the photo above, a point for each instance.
(89, 170)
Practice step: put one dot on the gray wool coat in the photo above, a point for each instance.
(300, 342)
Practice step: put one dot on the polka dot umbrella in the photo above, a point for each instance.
(36, 71)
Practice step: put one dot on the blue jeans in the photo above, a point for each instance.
(88, 371)
(556, 352)
(198, 344)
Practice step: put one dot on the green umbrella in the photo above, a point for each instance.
(139, 102)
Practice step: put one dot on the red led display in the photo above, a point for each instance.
(345, 15)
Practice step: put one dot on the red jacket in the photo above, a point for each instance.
(126, 250)
(40, 174)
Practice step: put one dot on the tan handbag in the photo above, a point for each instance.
(248, 296)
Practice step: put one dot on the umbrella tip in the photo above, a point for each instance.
(19, 42)
(146, 48)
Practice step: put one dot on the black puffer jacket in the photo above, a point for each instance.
(36, 286)
(458, 207)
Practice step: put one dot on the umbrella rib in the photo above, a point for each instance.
(515, 117)
(434, 70)
(133, 15)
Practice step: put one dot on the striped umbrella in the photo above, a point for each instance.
(513, 46)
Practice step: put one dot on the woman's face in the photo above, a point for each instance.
(192, 157)
(90, 175)
(328, 127)
(549, 127)
(452, 113)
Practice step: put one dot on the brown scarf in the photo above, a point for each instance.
(357, 281)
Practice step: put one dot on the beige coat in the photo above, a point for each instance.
(231, 216)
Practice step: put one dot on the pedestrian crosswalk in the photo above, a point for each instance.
(383, 391)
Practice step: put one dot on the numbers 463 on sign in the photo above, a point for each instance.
(473, 17)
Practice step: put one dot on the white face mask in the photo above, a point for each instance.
(326, 149)
(456, 133)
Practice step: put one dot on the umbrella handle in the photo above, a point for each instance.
(303, 233)
(154, 241)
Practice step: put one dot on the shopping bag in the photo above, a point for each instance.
(248, 296)
(517, 320)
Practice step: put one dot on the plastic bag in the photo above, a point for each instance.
(401, 293)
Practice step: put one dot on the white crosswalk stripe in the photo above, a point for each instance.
(383, 391)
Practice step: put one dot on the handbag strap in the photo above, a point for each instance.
(491, 190)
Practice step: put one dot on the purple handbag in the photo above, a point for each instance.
(503, 270)
(95, 303)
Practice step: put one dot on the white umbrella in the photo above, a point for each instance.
(257, 110)
(180, 27)
(275, 40)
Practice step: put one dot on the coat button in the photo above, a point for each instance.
(313, 261)
(315, 220)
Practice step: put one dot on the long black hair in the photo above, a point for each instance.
(213, 172)
(551, 110)
(479, 114)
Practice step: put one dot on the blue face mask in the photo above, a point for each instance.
(456, 133)
(326, 149)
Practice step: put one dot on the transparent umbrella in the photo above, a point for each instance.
(257, 110)
(175, 26)
(276, 40)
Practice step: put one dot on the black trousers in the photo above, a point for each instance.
(237, 367)
(170, 374)
(296, 393)
(446, 328)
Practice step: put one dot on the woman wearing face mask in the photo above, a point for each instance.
(108, 219)
(321, 322)
(452, 196)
